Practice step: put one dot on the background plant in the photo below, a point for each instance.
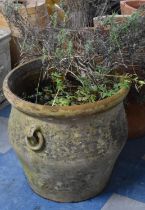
(128, 40)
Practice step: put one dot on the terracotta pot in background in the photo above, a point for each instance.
(130, 6)
(135, 106)
(136, 119)
(135, 110)
(34, 11)
(37, 14)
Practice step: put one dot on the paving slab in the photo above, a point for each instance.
(119, 202)
(5, 112)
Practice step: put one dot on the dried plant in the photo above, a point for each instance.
(35, 42)
(85, 56)
(80, 13)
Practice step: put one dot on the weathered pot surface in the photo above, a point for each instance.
(68, 153)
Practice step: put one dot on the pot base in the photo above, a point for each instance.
(65, 199)
(77, 182)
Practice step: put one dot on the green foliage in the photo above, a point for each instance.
(89, 46)
(53, 19)
(89, 81)
(78, 76)
(57, 80)
(61, 91)
(117, 30)
(64, 48)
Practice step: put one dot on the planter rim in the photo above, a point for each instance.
(126, 3)
(59, 111)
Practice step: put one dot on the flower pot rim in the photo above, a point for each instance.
(126, 3)
(58, 111)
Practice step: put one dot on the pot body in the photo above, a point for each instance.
(67, 152)
(77, 155)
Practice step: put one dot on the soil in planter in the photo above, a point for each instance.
(65, 90)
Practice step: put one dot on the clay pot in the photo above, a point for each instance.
(36, 12)
(135, 107)
(136, 119)
(130, 6)
(68, 152)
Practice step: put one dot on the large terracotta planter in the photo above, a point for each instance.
(130, 6)
(68, 153)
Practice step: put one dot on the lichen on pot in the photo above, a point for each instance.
(67, 152)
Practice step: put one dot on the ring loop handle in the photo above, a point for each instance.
(35, 139)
